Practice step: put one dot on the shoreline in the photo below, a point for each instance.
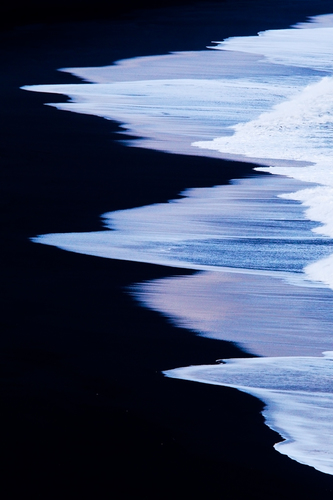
(81, 359)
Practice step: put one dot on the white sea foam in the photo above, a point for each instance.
(307, 45)
(298, 396)
(267, 99)
(298, 129)
(266, 112)
(172, 114)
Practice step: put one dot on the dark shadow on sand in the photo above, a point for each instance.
(85, 409)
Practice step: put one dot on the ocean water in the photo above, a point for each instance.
(261, 246)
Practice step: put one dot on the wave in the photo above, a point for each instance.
(297, 392)
(267, 99)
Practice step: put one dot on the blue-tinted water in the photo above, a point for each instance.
(263, 244)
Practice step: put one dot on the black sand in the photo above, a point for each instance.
(85, 409)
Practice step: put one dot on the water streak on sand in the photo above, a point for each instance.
(267, 99)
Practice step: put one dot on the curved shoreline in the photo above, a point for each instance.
(81, 361)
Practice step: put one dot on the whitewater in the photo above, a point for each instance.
(262, 246)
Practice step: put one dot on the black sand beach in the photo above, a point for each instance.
(85, 408)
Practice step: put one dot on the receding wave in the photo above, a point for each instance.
(263, 244)
(298, 396)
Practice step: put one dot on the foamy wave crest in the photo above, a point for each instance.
(322, 271)
(299, 129)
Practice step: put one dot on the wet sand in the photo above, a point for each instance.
(85, 407)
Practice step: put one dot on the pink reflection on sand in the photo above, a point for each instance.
(265, 315)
